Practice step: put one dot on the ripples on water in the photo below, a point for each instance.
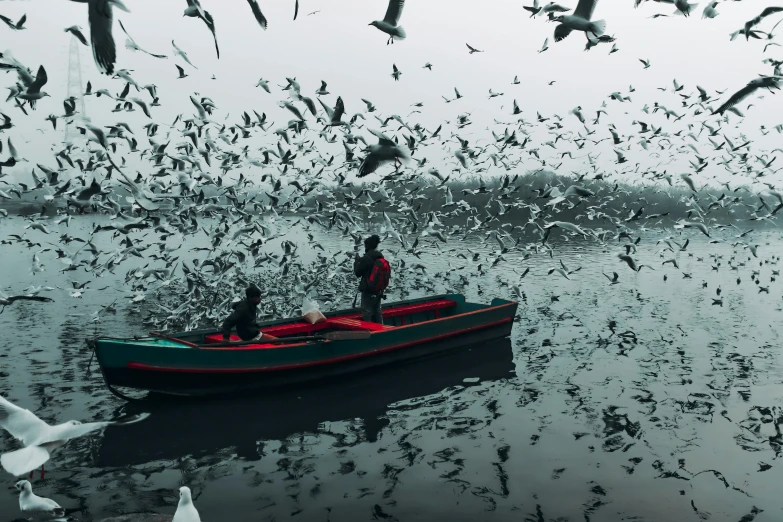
(674, 416)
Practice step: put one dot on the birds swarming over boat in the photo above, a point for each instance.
(196, 208)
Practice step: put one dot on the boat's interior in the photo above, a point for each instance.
(393, 317)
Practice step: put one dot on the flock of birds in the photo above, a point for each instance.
(42, 508)
(157, 214)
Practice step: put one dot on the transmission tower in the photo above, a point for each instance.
(75, 90)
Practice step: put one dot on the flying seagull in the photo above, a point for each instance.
(130, 43)
(9, 300)
(473, 49)
(335, 114)
(101, 18)
(77, 32)
(710, 11)
(181, 72)
(765, 13)
(579, 21)
(385, 151)
(39, 438)
(767, 82)
(195, 10)
(260, 18)
(389, 23)
(18, 26)
(532, 9)
(182, 54)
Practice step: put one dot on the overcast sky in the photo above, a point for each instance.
(337, 45)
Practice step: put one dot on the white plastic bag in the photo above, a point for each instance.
(310, 311)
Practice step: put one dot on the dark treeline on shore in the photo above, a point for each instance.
(515, 199)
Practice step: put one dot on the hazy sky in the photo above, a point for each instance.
(337, 45)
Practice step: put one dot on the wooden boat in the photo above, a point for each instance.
(198, 363)
(364, 400)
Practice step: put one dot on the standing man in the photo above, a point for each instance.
(244, 318)
(375, 273)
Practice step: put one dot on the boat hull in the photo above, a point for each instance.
(247, 419)
(217, 371)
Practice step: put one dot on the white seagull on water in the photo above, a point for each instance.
(389, 23)
(32, 504)
(39, 438)
(580, 21)
(186, 511)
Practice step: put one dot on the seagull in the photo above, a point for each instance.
(683, 7)
(689, 181)
(428, 66)
(646, 63)
(182, 54)
(186, 511)
(700, 226)
(77, 32)
(33, 91)
(612, 280)
(552, 7)
(39, 438)
(389, 23)
(710, 11)
(259, 16)
(764, 82)
(765, 13)
(396, 74)
(532, 9)
(181, 72)
(580, 21)
(473, 49)
(39, 507)
(335, 114)
(9, 300)
(101, 18)
(18, 26)
(545, 46)
(195, 10)
(131, 44)
(322, 90)
(385, 151)
(631, 262)
(565, 225)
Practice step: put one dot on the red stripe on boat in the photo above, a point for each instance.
(147, 367)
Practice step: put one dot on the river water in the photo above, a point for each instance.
(641, 400)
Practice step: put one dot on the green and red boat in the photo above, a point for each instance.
(199, 363)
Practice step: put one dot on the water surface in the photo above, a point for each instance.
(636, 401)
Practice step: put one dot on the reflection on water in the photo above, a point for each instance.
(642, 400)
(244, 422)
